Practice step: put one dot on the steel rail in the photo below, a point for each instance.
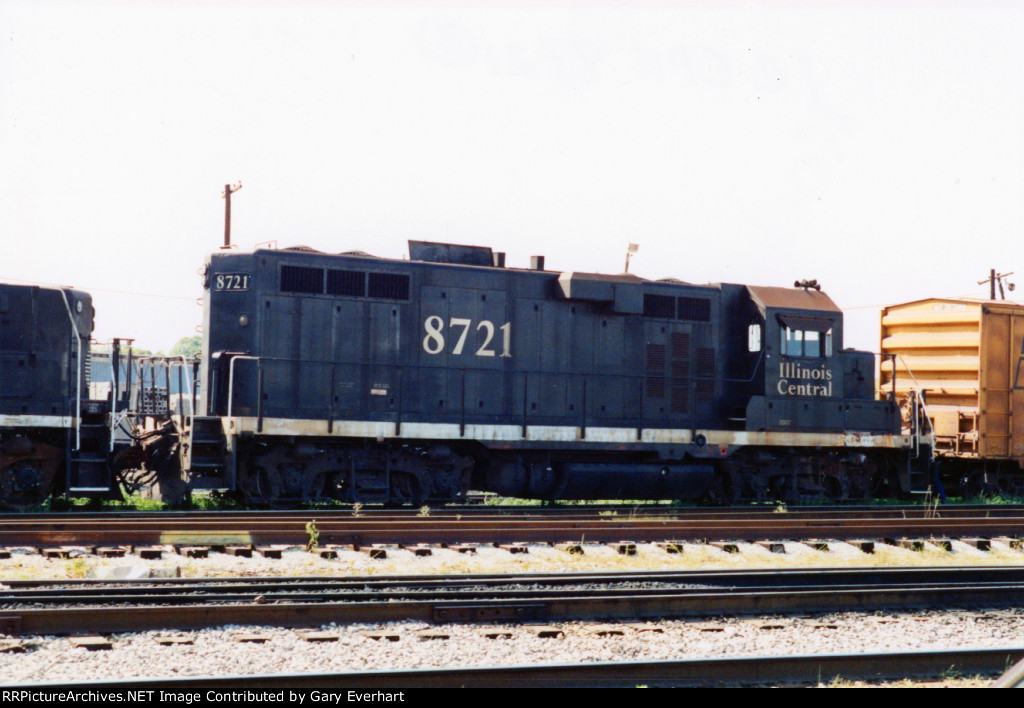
(260, 606)
(221, 530)
(583, 511)
(1013, 678)
(732, 578)
(740, 670)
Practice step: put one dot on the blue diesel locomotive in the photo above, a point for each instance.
(409, 381)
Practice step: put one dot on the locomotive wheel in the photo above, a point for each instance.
(725, 488)
(25, 485)
(282, 486)
(405, 489)
(27, 472)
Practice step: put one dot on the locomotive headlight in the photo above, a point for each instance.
(78, 307)
(243, 320)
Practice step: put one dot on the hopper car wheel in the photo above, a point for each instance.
(977, 484)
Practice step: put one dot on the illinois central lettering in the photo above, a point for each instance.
(800, 380)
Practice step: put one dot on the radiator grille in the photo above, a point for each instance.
(295, 279)
(389, 286)
(346, 282)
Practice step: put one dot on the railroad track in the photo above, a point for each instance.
(348, 528)
(747, 670)
(75, 607)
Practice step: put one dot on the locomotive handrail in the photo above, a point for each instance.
(117, 418)
(179, 360)
(231, 375)
(152, 364)
(462, 373)
(918, 401)
(582, 394)
(78, 382)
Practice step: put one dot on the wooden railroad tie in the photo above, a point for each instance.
(513, 548)
(492, 633)
(982, 544)
(270, 551)
(112, 551)
(193, 551)
(375, 552)
(863, 545)
(149, 552)
(239, 551)
(910, 544)
(428, 634)
(573, 549)
(11, 646)
(175, 641)
(1015, 544)
(91, 643)
(725, 546)
(419, 550)
(65, 552)
(544, 631)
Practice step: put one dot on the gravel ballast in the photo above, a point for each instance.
(218, 652)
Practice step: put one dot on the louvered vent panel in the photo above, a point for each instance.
(680, 402)
(705, 362)
(656, 359)
(705, 389)
(680, 345)
(654, 387)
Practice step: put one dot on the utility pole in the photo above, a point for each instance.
(997, 278)
(226, 195)
(631, 251)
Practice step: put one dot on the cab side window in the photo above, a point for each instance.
(806, 343)
(754, 338)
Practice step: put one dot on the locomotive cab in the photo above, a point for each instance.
(804, 380)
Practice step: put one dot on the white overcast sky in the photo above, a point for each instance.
(876, 146)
